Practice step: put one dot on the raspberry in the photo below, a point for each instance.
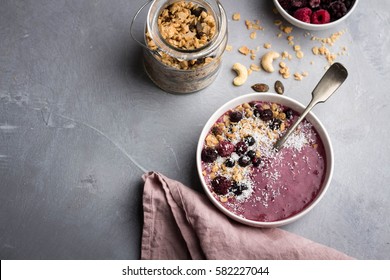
(225, 148)
(303, 14)
(314, 3)
(337, 10)
(320, 17)
(299, 3)
(221, 185)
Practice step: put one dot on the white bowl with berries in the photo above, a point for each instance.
(315, 14)
(246, 178)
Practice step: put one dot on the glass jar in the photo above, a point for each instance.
(179, 70)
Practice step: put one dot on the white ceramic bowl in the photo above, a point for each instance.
(288, 102)
(310, 26)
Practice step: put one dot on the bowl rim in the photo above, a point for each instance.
(311, 26)
(298, 107)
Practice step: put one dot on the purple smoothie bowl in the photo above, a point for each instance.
(248, 204)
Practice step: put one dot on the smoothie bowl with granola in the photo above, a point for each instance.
(246, 178)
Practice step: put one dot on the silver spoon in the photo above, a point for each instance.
(329, 83)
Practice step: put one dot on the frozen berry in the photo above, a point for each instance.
(249, 140)
(209, 154)
(241, 148)
(303, 14)
(238, 188)
(299, 3)
(286, 4)
(230, 162)
(337, 9)
(221, 185)
(266, 115)
(275, 124)
(225, 148)
(235, 116)
(257, 112)
(289, 113)
(251, 154)
(320, 17)
(256, 161)
(244, 161)
(314, 3)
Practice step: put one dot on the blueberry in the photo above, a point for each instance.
(237, 188)
(275, 124)
(221, 185)
(256, 161)
(251, 154)
(289, 113)
(241, 148)
(244, 161)
(257, 112)
(235, 116)
(266, 115)
(209, 154)
(249, 140)
(230, 162)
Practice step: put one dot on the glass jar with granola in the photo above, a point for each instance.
(184, 43)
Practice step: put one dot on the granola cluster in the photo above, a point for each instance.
(185, 26)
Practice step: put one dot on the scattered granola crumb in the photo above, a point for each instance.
(253, 35)
(277, 22)
(253, 25)
(236, 16)
(255, 67)
(229, 48)
(298, 76)
(267, 45)
(244, 50)
(299, 54)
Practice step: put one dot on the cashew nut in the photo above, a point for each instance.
(267, 59)
(242, 74)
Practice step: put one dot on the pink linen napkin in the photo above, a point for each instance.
(180, 223)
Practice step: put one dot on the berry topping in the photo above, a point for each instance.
(286, 4)
(320, 17)
(251, 154)
(225, 148)
(256, 161)
(241, 148)
(221, 185)
(249, 140)
(314, 3)
(337, 9)
(275, 124)
(209, 154)
(237, 188)
(299, 3)
(235, 116)
(230, 162)
(266, 115)
(244, 161)
(289, 113)
(257, 112)
(303, 14)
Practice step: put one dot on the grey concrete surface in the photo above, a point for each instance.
(80, 122)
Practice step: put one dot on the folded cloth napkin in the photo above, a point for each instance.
(180, 223)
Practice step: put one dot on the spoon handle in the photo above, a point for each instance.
(329, 83)
(278, 145)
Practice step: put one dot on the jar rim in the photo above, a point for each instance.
(163, 46)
